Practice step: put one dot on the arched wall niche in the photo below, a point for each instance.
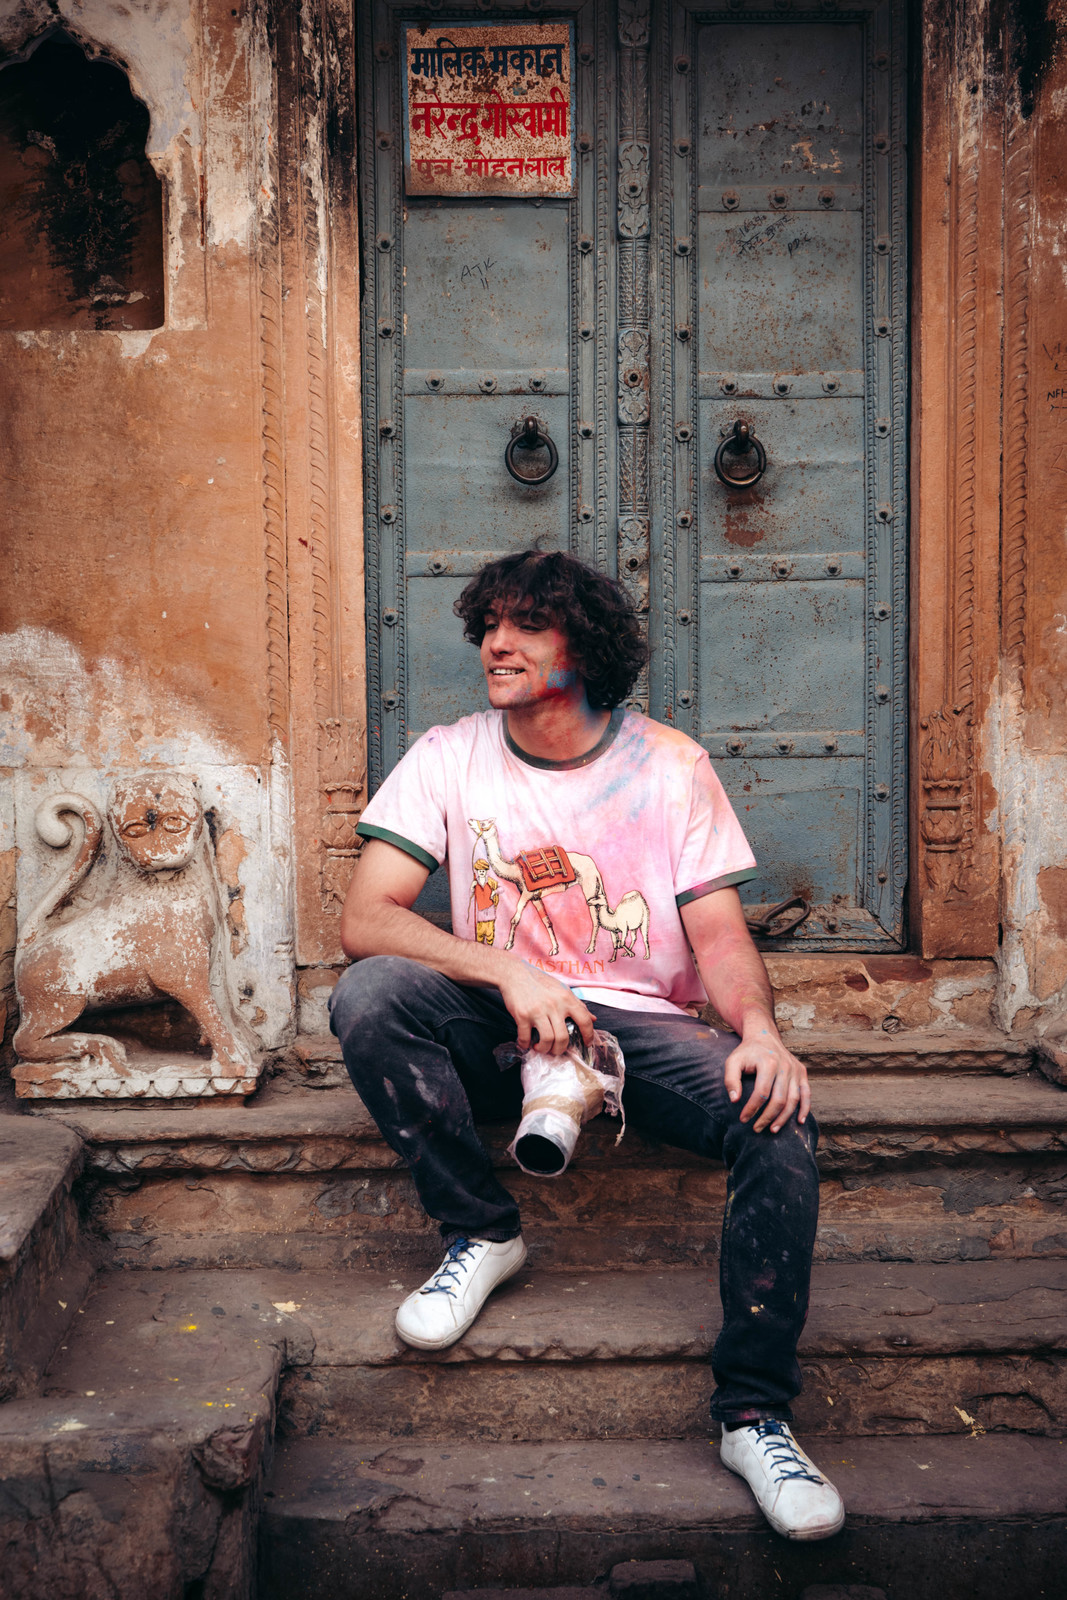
(81, 205)
(160, 48)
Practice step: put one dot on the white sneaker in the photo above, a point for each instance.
(443, 1309)
(792, 1493)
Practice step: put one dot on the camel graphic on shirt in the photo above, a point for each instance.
(551, 869)
(629, 918)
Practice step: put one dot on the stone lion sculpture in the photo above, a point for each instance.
(155, 931)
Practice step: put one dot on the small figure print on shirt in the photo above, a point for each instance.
(485, 896)
(552, 869)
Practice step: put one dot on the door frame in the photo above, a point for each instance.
(972, 221)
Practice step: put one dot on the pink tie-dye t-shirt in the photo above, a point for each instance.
(589, 861)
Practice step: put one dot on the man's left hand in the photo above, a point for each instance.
(781, 1085)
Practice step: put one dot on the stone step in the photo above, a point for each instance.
(45, 1268)
(317, 1057)
(151, 1498)
(558, 1355)
(949, 1167)
(929, 1519)
(141, 1473)
(567, 1592)
(863, 1118)
(628, 1580)
(887, 1350)
(156, 1414)
(339, 1224)
(957, 1211)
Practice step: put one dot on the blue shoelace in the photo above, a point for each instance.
(448, 1269)
(783, 1452)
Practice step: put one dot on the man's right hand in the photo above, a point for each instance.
(377, 920)
(540, 1003)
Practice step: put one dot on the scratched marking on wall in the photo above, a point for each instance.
(489, 109)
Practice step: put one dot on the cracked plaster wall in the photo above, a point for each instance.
(1032, 986)
(193, 78)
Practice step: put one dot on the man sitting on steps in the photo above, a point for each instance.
(574, 805)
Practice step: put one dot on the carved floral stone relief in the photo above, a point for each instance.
(313, 485)
(958, 387)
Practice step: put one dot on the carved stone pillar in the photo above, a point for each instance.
(956, 507)
(312, 487)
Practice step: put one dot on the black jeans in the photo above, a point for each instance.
(418, 1048)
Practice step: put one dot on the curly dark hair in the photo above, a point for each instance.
(552, 589)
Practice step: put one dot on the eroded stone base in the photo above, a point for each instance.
(147, 1075)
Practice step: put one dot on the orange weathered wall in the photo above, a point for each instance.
(134, 560)
(1032, 766)
(130, 461)
(989, 461)
(183, 577)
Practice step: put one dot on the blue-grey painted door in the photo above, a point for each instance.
(733, 251)
(784, 620)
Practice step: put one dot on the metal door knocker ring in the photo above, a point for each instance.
(788, 914)
(530, 435)
(741, 442)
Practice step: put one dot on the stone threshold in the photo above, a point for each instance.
(843, 992)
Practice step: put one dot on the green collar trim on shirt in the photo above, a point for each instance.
(606, 739)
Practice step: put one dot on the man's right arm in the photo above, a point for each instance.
(377, 920)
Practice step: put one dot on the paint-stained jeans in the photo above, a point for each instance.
(419, 1049)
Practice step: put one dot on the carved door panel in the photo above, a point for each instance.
(478, 313)
(784, 623)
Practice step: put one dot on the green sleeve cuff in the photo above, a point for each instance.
(727, 880)
(367, 830)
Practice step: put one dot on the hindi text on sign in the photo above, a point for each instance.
(455, 61)
(489, 110)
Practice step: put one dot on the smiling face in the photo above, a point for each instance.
(527, 666)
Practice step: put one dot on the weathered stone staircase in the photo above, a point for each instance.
(205, 1396)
